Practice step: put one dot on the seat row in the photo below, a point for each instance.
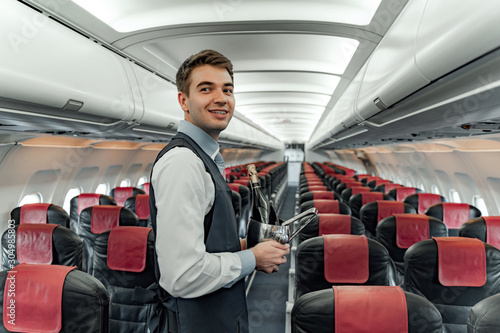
(433, 270)
(53, 297)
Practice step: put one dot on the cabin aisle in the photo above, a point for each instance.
(269, 292)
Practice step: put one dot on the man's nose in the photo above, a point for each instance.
(220, 97)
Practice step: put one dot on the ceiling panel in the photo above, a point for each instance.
(128, 16)
(285, 81)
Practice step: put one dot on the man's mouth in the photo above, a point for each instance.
(221, 112)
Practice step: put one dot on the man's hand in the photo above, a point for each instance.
(269, 255)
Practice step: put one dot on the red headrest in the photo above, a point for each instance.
(370, 309)
(122, 194)
(411, 229)
(127, 248)
(234, 187)
(322, 195)
(403, 192)
(334, 224)
(145, 186)
(359, 189)
(104, 218)
(317, 188)
(325, 206)
(455, 214)
(34, 243)
(349, 184)
(243, 182)
(34, 213)
(21, 313)
(315, 182)
(390, 186)
(492, 230)
(87, 200)
(388, 208)
(370, 197)
(346, 258)
(381, 181)
(142, 206)
(425, 200)
(461, 261)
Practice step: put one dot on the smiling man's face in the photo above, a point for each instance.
(210, 103)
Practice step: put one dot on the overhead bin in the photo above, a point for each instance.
(413, 56)
(413, 53)
(242, 133)
(158, 99)
(45, 63)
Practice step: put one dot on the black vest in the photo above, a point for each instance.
(224, 310)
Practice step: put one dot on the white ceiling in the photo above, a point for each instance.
(292, 59)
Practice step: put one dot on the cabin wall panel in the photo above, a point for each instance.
(52, 171)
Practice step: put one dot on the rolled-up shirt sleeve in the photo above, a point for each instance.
(184, 194)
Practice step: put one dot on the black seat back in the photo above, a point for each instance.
(316, 312)
(124, 260)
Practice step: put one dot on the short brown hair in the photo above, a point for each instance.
(205, 57)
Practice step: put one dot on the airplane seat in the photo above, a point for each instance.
(346, 184)
(400, 231)
(335, 181)
(246, 206)
(325, 206)
(373, 212)
(346, 309)
(484, 317)
(349, 192)
(454, 273)
(453, 214)
(326, 224)
(304, 189)
(120, 194)
(243, 182)
(422, 201)
(97, 219)
(400, 193)
(52, 298)
(40, 213)
(329, 260)
(317, 195)
(145, 187)
(357, 201)
(376, 182)
(82, 201)
(385, 188)
(139, 204)
(48, 244)
(484, 228)
(124, 260)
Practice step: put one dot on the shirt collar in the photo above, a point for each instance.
(205, 141)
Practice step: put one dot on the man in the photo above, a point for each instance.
(200, 260)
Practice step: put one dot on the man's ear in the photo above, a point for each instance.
(181, 97)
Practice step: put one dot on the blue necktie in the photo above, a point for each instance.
(220, 163)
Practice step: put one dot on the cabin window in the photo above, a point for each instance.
(102, 188)
(478, 202)
(73, 192)
(454, 196)
(421, 186)
(142, 180)
(125, 182)
(34, 197)
(434, 189)
(408, 182)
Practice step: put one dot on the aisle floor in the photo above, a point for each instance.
(269, 292)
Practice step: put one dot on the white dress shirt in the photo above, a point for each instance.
(185, 193)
